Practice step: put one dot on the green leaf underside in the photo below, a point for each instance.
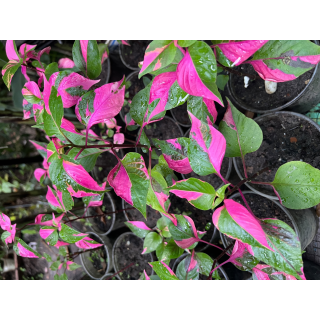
(162, 272)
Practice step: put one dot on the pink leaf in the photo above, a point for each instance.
(84, 48)
(69, 126)
(212, 110)
(5, 222)
(118, 138)
(60, 244)
(81, 176)
(24, 72)
(125, 43)
(23, 252)
(190, 82)
(71, 81)
(31, 89)
(65, 63)
(38, 173)
(86, 243)
(238, 52)
(146, 276)
(139, 224)
(111, 123)
(25, 51)
(52, 199)
(12, 231)
(11, 52)
(45, 233)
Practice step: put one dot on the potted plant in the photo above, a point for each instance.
(183, 70)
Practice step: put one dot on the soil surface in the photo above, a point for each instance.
(105, 163)
(101, 224)
(134, 53)
(255, 94)
(200, 217)
(181, 114)
(129, 250)
(98, 258)
(135, 215)
(285, 138)
(103, 77)
(213, 179)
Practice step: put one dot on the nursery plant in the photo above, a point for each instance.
(182, 71)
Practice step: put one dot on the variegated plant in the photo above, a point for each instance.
(183, 71)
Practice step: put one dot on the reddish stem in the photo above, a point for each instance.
(130, 265)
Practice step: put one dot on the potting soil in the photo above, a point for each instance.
(255, 94)
(129, 251)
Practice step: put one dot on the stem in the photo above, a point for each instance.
(259, 182)
(244, 165)
(213, 245)
(128, 266)
(245, 201)
(78, 154)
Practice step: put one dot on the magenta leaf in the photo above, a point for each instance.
(265, 272)
(49, 234)
(65, 63)
(40, 174)
(206, 148)
(130, 181)
(197, 75)
(163, 270)
(59, 201)
(32, 93)
(23, 250)
(139, 228)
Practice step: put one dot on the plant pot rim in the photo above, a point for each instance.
(113, 216)
(284, 209)
(109, 267)
(123, 61)
(180, 123)
(286, 105)
(114, 254)
(252, 188)
(178, 260)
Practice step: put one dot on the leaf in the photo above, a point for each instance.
(139, 228)
(130, 181)
(163, 271)
(297, 185)
(186, 43)
(197, 71)
(8, 72)
(86, 57)
(151, 242)
(222, 80)
(63, 251)
(159, 54)
(163, 168)
(168, 250)
(4, 236)
(163, 227)
(237, 222)
(175, 153)
(73, 266)
(49, 234)
(47, 257)
(70, 235)
(59, 201)
(23, 250)
(188, 268)
(62, 277)
(203, 109)
(243, 135)
(55, 266)
(199, 193)
(204, 262)
(51, 69)
(206, 148)
(87, 158)
(31, 92)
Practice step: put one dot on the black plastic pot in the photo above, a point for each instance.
(305, 222)
(308, 98)
(178, 260)
(90, 212)
(238, 163)
(88, 265)
(123, 61)
(311, 270)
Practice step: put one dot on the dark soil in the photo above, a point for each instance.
(129, 250)
(134, 53)
(255, 94)
(213, 179)
(102, 224)
(135, 215)
(103, 77)
(98, 258)
(285, 138)
(181, 114)
(200, 217)
(105, 163)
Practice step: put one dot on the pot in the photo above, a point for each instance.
(88, 265)
(109, 275)
(308, 98)
(94, 225)
(115, 254)
(238, 164)
(311, 270)
(305, 222)
(178, 260)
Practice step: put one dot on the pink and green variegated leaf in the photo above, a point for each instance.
(59, 201)
(70, 131)
(41, 147)
(31, 92)
(139, 228)
(265, 272)
(48, 220)
(87, 243)
(130, 181)
(163, 271)
(23, 250)
(199, 193)
(237, 222)
(70, 235)
(40, 174)
(8, 236)
(27, 51)
(286, 255)
(151, 242)
(206, 148)
(175, 153)
(50, 235)
(102, 104)
(243, 135)
(8, 72)
(93, 201)
(188, 268)
(197, 72)
(65, 63)
(27, 109)
(11, 51)
(72, 87)
(86, 57)
(73, 178)
(159, 54)
(38, 113)
(144, 276)
(234, 53)
(284, 60)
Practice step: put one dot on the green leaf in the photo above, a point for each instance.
(199, 109)
(55, 265)
(151, 242)
(168, 251)
(144, 140)
(298, 185)
(87, 158)
(5, 235)
(63, 251)
(141, 233)
(53, 238)
(182, 268)
(67, 234)
(205, 263)
(74, 266)
(77, 56)
(50, 70)
(163, 168)
(176, 96)
(48, 258)
(187, 189)
(186, 43)
(93, 60)
(241, 133)
(222, 80)
(62, 277)
(162, 271)
(163, 227)
(221, 191)
(11, 68)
